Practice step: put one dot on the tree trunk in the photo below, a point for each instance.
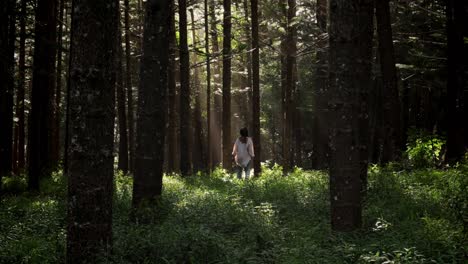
(92, 104)
(129, 84)
(456, 83)
(256, 87)
(185, 120)
(350, 37)
(123, 162)
(7, 42)
(20, 92)
(391, 101)
(198, 153)
(152, 105)
(42, 92)
(172, 94)
(208, 86)
(320, 121)
(217, 94)
(227, 27)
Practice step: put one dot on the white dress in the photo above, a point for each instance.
(243, 152)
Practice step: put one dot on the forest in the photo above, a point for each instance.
(126, 128)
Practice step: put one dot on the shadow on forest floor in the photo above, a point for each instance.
(409, 217)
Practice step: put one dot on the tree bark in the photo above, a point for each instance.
(199, 160)
(129, 85)
(256, 87)
(227, 27)
(391, 100)
(43, 86)
(123, 162)
(7, 43)
(217, 94)
(152, 105)
(185, 120)
(172, 94)
(320, 121)
(208, 86)
(91, 127)
(456, 83)
(350, 37)
(20, 92)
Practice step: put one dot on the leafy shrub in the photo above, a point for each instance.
(424, 149)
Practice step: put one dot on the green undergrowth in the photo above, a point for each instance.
(414, 216)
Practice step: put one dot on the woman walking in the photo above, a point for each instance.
(243, 152)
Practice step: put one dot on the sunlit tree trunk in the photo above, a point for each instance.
(217, 94)
(227, 141)
(350, 37)
(209, 152)
(92, 104)
(43, 86)
(185, 120)
(256, 87)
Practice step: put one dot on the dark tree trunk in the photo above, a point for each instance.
(288, 83)
(55, 129)
(185, 120)
(129, 85)
(391, 129)
(20, 92)
(217, 94)
(320, 120)
(152, 105)
(248, 66)
(208, 87)
(456, 84)
(92, 104)
(227, 27)
(256, 87)
(172, 94)
(350, 37)
(123, 163)
(198, 153)
(7, 43)
(43, 86)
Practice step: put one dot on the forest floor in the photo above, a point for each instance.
(410, 216)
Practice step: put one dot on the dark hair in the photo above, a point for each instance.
(244, 132)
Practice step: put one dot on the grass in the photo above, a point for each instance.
(416, 216)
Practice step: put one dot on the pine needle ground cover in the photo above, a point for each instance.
(417, 216)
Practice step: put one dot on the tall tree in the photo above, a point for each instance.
(172, 97)
(185, 120)
(91, 127)
(129, 85)
(7, 43)
(320, 121)
(457, 83)
(43, 85)
(152, 105)
(227, 35)
(20, 92)
(217, 94)
(208, 86)
(391, 136)
(350, 37)
(256, 86)
(198, 153)
(288, 82)
(123, 162)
